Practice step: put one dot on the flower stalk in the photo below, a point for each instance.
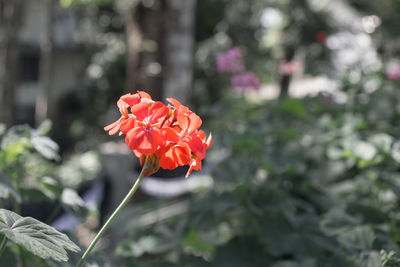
(160, 136)
(115, 213)
(3, 244)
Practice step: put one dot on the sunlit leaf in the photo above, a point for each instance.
(35, 236)
(73, 203)
(51, 187)
(390, 259)
(44, 127)
(46, 147)
(193, 240)
(7, 189)
(17, 134)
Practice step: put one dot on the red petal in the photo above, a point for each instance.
(141, 111)
(209, 142)
(127, 125)
(182, 154)
(113, 127)
(158, 110)
(174, 102)
(195, 123)
(168, 121)
(130, 99)
(196, 145)
(152, 111)
(144, 95)
(183, 121)
(194, 165)
(167, 162)
(170, 134)
(179, 107)
(177, 155)
(202, 135)
(139, 155)
(123, 108)
(143, 140)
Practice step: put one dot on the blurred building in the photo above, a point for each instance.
(67, 61)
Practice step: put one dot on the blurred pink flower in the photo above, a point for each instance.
(231, 61)
(393, 72)
(288, 68)
(245, 80)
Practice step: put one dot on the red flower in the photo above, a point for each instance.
(320, 37)
(123, 104)
(166, 136)
(145, 137)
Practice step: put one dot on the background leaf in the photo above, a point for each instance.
(7, 189)
(73, 203)
(46, 147)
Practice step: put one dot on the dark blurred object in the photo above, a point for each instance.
(285, 78)
(11, 15)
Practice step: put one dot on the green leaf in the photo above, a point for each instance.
(274, 228)
(51, 187)
(7, 189)
(37, 237)
(44, 128)
(13, 151)
(240, 252)
(363, 150)
(370, 259)
(46, 147)
(19, 133)
(145, 245)
(294, 107)
(33, 195)
(389, 259)
(358, 238)
(396, 151)
(65, 3)
(337, 221)
(382, 141)
(194, 241)
(73, 203)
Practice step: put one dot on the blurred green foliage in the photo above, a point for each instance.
(33, 181)
(301, 183)
(30, 172)
(307, 182)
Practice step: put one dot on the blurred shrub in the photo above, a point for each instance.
(306, 183)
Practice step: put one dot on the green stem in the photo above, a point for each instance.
(117, 210)
(3, 245)
(22, 256)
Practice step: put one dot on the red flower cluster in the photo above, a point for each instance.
(167, 136)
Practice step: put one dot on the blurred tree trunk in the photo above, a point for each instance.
(152, 56)
(178, 74)
(134, 40)
(286, 78)
(46, 52)
(145, 36)
(9, 51)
